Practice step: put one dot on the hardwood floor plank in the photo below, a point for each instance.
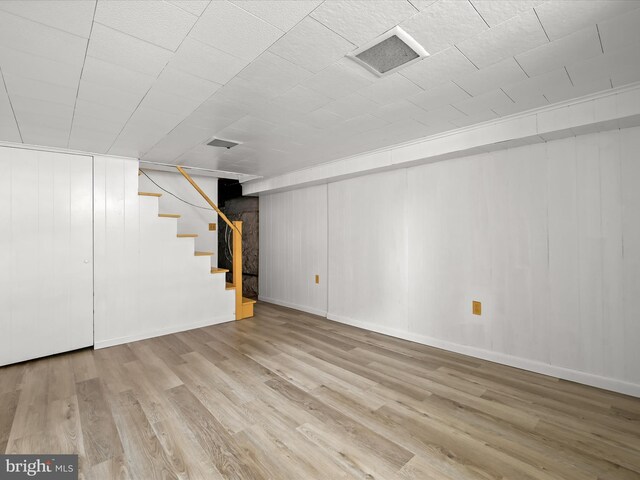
(290, 395)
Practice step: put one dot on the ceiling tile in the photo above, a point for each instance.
(196, 7)
(218, 108)
(98, 117)
(322, 119)
(231, 29)
(8, 127)
(26, 87)
(206, 62)
(88, 140)
(390, 89)
(157, 99)
(34, 67)
(497, 11)
(283, 14)
(492, 77)
(244, 93)
(572, 48)
(479, 117)
(443, 24)
(39, 135)
(481, 103)
(620, 31)
(274, 73)
(360, 20)
(561, 92)
(351, 106)
(35, 107)
(621, 66)
(160, 23)
(73, 16)
(301, 99)
(439, 68)
(439, 96)
(311, 45)
(399, 111)
(510, 38)
(362, 123)
(27, 36)
(115, 76)
(340, 79)
(539, 85)
(525, 104)
(562, 17)
(109, 96)
(176, 143)
(121, 49)
(185, 85)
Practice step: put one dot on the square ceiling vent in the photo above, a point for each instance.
(218, 142)
(389, 52)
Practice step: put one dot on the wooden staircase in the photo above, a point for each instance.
(243, 305)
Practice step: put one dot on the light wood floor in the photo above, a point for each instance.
(290, 395)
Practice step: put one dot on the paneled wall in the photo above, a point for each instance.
(546, 236)
(147, 281)
(193, 220)
(293, 249)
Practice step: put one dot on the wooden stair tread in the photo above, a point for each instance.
(187, 235)
(246, 301)
(203, 254)
(230, 286)
(149, 194)
(169, 215)
(218, 270)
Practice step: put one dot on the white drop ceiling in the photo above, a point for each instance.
(157, 80)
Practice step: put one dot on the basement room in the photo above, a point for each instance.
(320, 239)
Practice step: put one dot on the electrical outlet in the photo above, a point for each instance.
(317, 278)
(476, 308)
(212, 227)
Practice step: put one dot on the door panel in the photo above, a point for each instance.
(46, 259)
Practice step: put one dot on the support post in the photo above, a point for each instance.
(237, 267)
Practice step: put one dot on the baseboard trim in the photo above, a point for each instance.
(161, 331)
(605, 383)
(303, 308)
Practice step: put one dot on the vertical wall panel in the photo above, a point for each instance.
(293, 248)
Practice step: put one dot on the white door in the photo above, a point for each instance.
(46, 253)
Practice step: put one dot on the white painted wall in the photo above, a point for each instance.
(46, 258)
(547, 236)
(293, 235)
(193, 220)
(147, 281)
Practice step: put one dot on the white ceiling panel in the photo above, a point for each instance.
(274, 73)
(539, 85)
(391, 89)
(37, 135)
(88, 140)
(443, 24)
(620, 31)
(27, 36)
(99, 118)
(73, 16)
(130, 52)
(36, 68)
(160, 23)
(352, 106)
(176, 143)
(35, 107)
(495, 12)
(115, 76)
(441, 115)
(185, 85)
(399, 111)
(340, 79)
(360, 20)
(283, 14)
(322, 119)
(109, 96)
(510, 38)
(26, 87)
(481, 116)
(492, 77)
(570, 49)
(218, 108)
(481, 103)
(196, 7)
(311, 45)
(8, 127)
(439, 96)
(301, 99)
(523, 105)
(206, 62)
(562, 17)
(231, 29)
(562, 91)
(621, 66)
(439, 68)
(157, 99)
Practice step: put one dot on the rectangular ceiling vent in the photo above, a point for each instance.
(218, 142)
(390, 52)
